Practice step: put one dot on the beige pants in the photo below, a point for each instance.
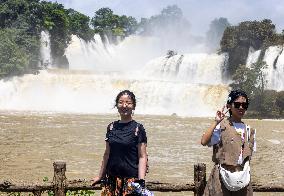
(215, 186)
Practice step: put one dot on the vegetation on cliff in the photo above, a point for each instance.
(22, 21)
(21, 24)
(264, 103)
(106, 23)
(237, 40)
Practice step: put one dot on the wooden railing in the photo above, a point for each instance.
(60, 185)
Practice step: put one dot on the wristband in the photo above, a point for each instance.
(141, 182)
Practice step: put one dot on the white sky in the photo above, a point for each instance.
(199, 12)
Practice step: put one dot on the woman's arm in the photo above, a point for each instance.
(104, 164)
(142, 155)
(206, 137)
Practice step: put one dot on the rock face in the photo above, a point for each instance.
(237, 56)
(61, 62)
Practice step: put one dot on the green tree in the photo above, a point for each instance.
(56, 21)
(13, 59)
(79, 25)
(128, 24)
(10, 10)
(25, 20)
(268, 107)
(237, 40)
(105, 22)
(280, 102)
(252, 80)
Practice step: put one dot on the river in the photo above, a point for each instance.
(32, 141)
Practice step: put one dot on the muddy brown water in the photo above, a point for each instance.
(31, 142)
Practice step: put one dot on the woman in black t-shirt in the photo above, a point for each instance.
(125, 158)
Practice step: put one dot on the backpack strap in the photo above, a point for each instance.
(250, 132)
(137, 129)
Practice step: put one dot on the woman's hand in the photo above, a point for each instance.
(220, 115)
(206, 137)
(96, 180)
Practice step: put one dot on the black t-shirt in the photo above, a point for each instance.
(123, 140)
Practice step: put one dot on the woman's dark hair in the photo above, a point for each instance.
(234, 94)
(126, 92)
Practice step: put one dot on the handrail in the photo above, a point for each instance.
(60, 185)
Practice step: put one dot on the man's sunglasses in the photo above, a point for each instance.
(239, 104)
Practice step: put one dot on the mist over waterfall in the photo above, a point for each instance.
(186, 84)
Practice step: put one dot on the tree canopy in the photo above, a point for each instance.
(25, 20)
(237, 40)
(105, 22)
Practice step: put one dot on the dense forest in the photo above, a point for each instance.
(22, 21)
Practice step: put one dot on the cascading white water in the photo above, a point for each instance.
(253, 56)
(187, 85)
(77, 91)
(199, 68)
(274, 58)
(130, 54)
(45, 51)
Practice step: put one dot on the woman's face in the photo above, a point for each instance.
(239, 107)
(125, 105)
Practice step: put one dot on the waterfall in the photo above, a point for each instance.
(186, 84)
(274, 58)
(252, 56)
(199, 68)
(134, 52)
(91, 92)
(45, 51)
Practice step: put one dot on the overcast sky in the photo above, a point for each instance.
(199, 12)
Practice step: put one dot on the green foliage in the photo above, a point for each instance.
(128, 24)
(56, 19)
(105, 22)
(79, 25)
(13, 59)
(19, 194)
(248, 33)
(268, 107)
(263, 103)
(80, 192)
(27, 18)
(250, 79)
(237, 40)
(49, 192)
(280, 102)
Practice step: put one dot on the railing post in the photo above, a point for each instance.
(199, 178)
(59, 179)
